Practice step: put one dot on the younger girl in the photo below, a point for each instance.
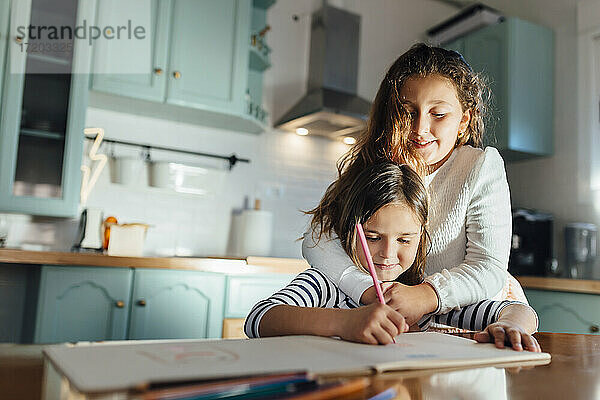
(392, 204)
(429, 112)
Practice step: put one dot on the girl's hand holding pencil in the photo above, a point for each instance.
(373, 324)
(382, 320)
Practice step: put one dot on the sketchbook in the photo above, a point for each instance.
(105, 367)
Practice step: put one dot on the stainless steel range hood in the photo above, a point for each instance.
(331, 106)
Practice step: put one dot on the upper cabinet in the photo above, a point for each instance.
(517, 59)
(4, 17)
(134, 68)
(43, 106)
(209, 54)
(196, 55)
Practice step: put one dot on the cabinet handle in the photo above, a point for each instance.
(594, 328)
(120, 304)
(19, 39)
(158, 71)
(176, 74)
(141, 303)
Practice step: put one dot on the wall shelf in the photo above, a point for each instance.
(42, 134)
(258, 60)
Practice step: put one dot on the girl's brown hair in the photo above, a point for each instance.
(377, 185)
(386, 137)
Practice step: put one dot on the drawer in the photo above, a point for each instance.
(243, 292)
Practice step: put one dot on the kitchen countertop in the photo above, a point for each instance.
(560, 284)
(232, 265)
(246, 265)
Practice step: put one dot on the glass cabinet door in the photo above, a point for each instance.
(45, 104)
(44, 108)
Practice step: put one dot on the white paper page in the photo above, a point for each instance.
(108, 367)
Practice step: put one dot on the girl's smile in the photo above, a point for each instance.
(421, 144)
(385, 267)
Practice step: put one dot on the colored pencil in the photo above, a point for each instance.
(388, 394)
(334, 390)
(367, 253)
(223, 386)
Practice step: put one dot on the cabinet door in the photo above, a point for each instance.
(82, 303)
(456, 45)
(43, 111)
(169, 304)
(531, 88)
(565, 312)
(133, 68)
(243, 292)
(486, 51)
(208, 65)
(4, 17)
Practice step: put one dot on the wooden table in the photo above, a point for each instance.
(573, 374)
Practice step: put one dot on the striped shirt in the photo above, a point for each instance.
(312, 288)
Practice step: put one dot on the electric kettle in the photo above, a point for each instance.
(90, 229)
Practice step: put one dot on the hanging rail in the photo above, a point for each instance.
(232, 159)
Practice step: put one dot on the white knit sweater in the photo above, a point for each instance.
(470, 226)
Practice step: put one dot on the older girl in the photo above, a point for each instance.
(392, 203)
(429, 112)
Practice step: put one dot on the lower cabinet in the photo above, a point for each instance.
(243, 292)
(82, 303)
(105, 303)
(169, 304)
(565, 312)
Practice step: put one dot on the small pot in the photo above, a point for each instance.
(160, 174)
(125, 170)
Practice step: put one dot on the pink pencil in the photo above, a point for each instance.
(367, 253)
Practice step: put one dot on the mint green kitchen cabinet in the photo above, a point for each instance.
(209, 54)
(198, 58)
(243, 292)
(43, 113)
(4, 19)
(170, 304)
(15, 302)
(133, 68)
(82, 303)
(516, 58)
(259, 61)
(75, 303)
(565, 312)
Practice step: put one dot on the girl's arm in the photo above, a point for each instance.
(372, 324)
(309, 289)
(514, 327)
(305, 306)
(482, 274)
(329, 256)
(478, 316)
(505, 321)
